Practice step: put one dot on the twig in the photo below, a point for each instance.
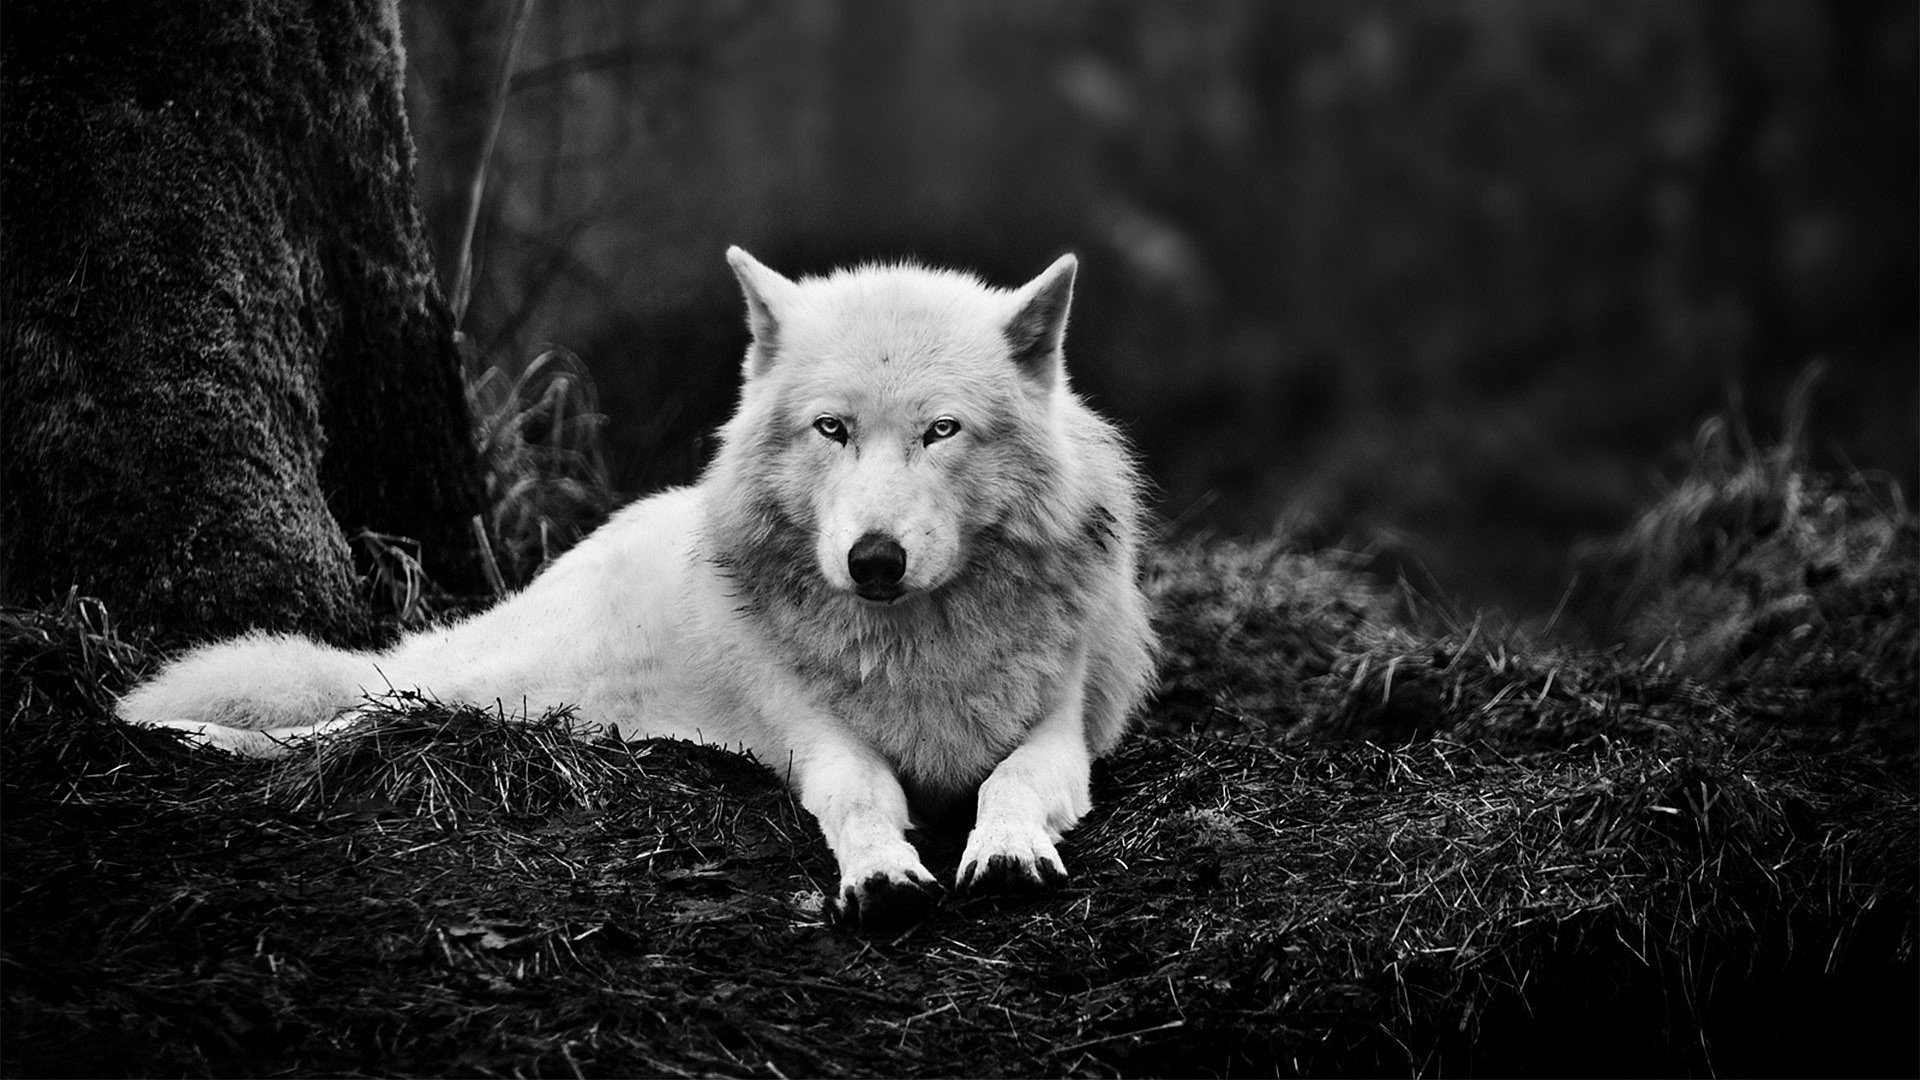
(463, 276)
(494, 581)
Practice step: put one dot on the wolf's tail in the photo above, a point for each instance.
(253, 693)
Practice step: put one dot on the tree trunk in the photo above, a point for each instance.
(224, 348)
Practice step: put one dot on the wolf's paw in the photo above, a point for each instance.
(885, 904)
(1006, 860)
(883, 887)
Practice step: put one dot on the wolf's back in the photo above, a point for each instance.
(259, 682)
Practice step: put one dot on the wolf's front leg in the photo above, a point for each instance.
(1031, 798)
(852, 791)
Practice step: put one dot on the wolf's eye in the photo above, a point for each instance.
(832, 428)
(944, 428)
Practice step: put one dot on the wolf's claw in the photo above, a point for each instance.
(1006, 875)
(882, 905)
(1009, 857)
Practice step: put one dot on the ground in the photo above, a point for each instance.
(1346, 840)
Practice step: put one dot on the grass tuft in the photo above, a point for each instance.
(1751, 563)
(1245, 628)
(396, 586)
(411, 755)
(70, 658)
(547, 479)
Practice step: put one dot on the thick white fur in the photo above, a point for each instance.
(725, 613)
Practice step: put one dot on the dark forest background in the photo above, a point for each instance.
(1450, 282)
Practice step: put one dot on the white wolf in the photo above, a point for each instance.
(908, 580)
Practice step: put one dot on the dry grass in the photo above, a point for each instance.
(1344, 846)
(547, 480)
(450, 764)
(1751, 563)
(1247, 627)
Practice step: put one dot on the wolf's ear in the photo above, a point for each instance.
(768, 296)
(1036, 330)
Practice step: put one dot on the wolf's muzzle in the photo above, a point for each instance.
(877, 563)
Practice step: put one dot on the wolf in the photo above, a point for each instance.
(908, 580)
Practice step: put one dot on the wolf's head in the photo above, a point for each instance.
(890, 417)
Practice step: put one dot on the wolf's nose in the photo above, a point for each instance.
(877, 560)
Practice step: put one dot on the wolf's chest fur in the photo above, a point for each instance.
(948, 732)
(943, 695)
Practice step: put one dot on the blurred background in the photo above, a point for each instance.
(1450, 282)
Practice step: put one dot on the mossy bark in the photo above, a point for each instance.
(224, 348)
